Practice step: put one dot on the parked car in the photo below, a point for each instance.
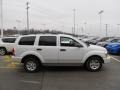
(111, 40)
(113, 48)
(101, 39)
(60, 50)
(6, 45)
(91, 40)
(0, 40)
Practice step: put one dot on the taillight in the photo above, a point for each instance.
(13, 51)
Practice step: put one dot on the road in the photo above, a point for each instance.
(13, 77)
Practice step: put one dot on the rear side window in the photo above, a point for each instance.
(27, 40)
(47, 41)
(8, 40)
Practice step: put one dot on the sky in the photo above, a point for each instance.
(58, 14)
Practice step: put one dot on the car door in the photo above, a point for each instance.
(48, 49)
(70, 51)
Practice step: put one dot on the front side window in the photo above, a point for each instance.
(29, 40)
(68, 42)
(47, 41)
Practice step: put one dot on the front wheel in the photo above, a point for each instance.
(31, 65)
(94, 63)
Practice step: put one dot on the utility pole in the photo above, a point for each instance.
(1, 18)
(74, 10)
(118, 26)
(72, 30)
(106, 25)
(27, 15)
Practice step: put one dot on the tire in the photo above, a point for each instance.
(3, 51)
(93, 64)
(31, 64)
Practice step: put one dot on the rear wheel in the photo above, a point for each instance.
(94, 63)
(3, 51)
(31, 64)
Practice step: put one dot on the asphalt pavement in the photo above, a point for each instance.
(13, 77)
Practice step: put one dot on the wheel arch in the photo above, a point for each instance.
(94, 56)
(99, 54)
(31, 55)
(3, 47)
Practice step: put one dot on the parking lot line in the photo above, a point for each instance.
(7, 67)
(115, 59)
(32, 82)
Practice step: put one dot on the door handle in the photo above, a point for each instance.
(39, 49)
(62, 49)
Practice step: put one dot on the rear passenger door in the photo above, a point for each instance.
(48, 49)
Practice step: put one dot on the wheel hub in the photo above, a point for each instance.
(94, 64)
(2, 52)
(31, 66)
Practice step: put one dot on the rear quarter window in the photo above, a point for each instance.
(29, 40)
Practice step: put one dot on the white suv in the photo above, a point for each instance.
(6, 45)
(59, 50)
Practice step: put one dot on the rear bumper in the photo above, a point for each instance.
(107, 59)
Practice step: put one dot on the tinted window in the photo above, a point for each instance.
(9, 40)
(68, 42)
(47, 41)
(27, 40)
(115, 40)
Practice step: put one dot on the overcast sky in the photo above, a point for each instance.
(58, 14)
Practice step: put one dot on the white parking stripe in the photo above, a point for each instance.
(115, 59)
(32, 82)
(7, 67)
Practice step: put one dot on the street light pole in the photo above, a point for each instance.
(82, 30)
(74, 10)
(27, 15)
(100, 13)
(106, 25)
(1, 18)
(118, 26)
(44, 26)
(85, 26)
(18, 23)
